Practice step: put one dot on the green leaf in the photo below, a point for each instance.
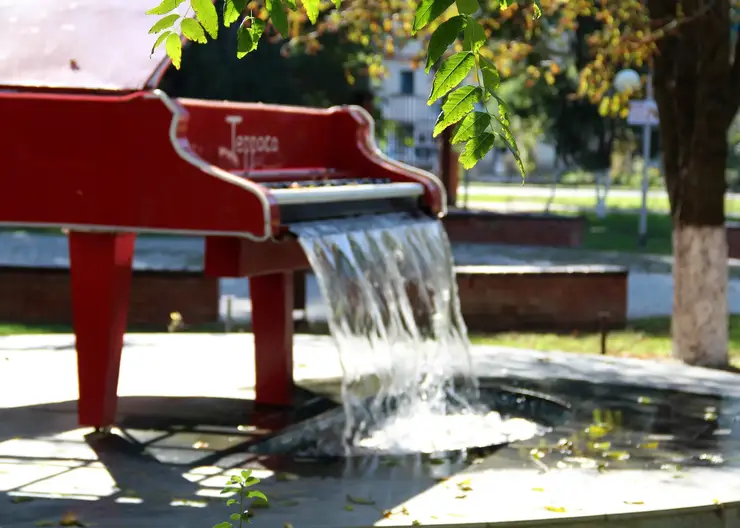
(506, 135)
(312, 9)
(491, 77)
(442, 38)
(467, 7)
(278, 17)
(244, 42)
(256, 28)
(251, 481)
(224, 525)
(160, 40)
(503, 112)
(165, 7)
(476, 148)
(428, 11)
(246, 473)
(231, 502)
(451, 73)
(230, 489)
(457, 105)
(173, 45)
(206, 14)
(337, 3)
(474, 36)
(291, 4)
(257, 495)
(164, 23)
(235, 516)
(233, 10)
(474, 124)
(192, 29)
(508, 140)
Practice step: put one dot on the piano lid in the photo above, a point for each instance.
(79, 44)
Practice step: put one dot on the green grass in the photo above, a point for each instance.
(646, 339)
(618, 232)
(656, 204)
(8, 329)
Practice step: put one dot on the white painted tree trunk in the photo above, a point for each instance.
(700, 313)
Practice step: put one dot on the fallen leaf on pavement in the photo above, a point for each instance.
(359, 500)
(70, 519)
(284, 477)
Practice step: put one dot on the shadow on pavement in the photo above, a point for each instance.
(165, 466)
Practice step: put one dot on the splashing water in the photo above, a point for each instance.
(394, 313)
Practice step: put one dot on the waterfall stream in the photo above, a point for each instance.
(394, 314)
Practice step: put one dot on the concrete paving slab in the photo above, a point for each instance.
(171, 476)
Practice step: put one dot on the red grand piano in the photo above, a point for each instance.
(90, 144)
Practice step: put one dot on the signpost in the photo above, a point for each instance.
(644, 113)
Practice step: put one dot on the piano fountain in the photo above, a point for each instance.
(91, 145)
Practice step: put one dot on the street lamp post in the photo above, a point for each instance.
(647, 135)
(642, 113)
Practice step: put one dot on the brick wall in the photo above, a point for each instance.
(493, 299)
(511, 298)
(488, 227)
(42, 295)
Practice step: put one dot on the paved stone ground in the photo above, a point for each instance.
(650, 284)
(169, 476)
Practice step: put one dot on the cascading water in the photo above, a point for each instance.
(389, 284)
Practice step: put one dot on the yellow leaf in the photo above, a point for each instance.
(70, 519)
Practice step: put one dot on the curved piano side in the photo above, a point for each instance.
(357, 149)
(178, 135)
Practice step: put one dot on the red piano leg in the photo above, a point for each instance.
(100, 266)
(272, 322)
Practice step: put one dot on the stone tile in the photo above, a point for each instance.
(44, 454)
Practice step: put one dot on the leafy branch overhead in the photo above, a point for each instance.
(480, 116)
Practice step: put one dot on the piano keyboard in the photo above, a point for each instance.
(325, 182)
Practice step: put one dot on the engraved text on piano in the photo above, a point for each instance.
(247, 148)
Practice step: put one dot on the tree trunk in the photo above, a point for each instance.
(692, 90)
(700, 315)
